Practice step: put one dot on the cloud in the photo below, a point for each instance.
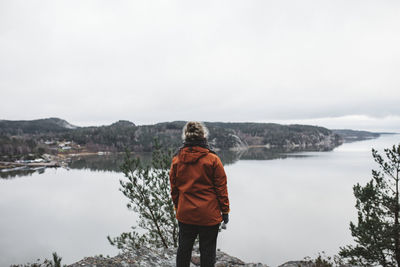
(100, 61)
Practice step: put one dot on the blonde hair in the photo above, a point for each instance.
(194, 130)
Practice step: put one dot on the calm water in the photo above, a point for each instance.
(283, 207)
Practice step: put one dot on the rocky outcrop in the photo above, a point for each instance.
(310, 263)
(160, 257)
(298, 264)
(147, 257)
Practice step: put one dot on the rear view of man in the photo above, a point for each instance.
(200, 196)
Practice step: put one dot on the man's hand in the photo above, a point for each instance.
(225, 217)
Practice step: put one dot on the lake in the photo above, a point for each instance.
(284, 206)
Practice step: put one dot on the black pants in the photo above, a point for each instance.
(208, 244)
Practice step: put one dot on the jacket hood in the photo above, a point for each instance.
(192, 154)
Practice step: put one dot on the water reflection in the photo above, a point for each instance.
(19, 173)
(260, 153)
(98, 163)
(112, 162)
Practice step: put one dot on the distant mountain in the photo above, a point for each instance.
(353, 135)
(123, 123)
(50, 125)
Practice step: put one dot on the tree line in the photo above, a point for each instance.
(20, 137)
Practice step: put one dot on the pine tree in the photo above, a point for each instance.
(377, 232)
(148, 190)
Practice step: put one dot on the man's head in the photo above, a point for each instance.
(194, 130)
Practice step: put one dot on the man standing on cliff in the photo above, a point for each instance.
(200, 196)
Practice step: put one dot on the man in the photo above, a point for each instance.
(200, 196)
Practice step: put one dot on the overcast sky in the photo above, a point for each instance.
(332, 63)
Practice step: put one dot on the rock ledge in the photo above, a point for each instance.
(149, 257)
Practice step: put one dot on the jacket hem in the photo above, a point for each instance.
(200, 224)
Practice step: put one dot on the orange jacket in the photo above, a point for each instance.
(198, 186)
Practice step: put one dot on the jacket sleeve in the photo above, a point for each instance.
(174, 189)
(220, 184)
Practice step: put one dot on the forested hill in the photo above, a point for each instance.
(51, 125)
(19, 137)
(351, 135)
